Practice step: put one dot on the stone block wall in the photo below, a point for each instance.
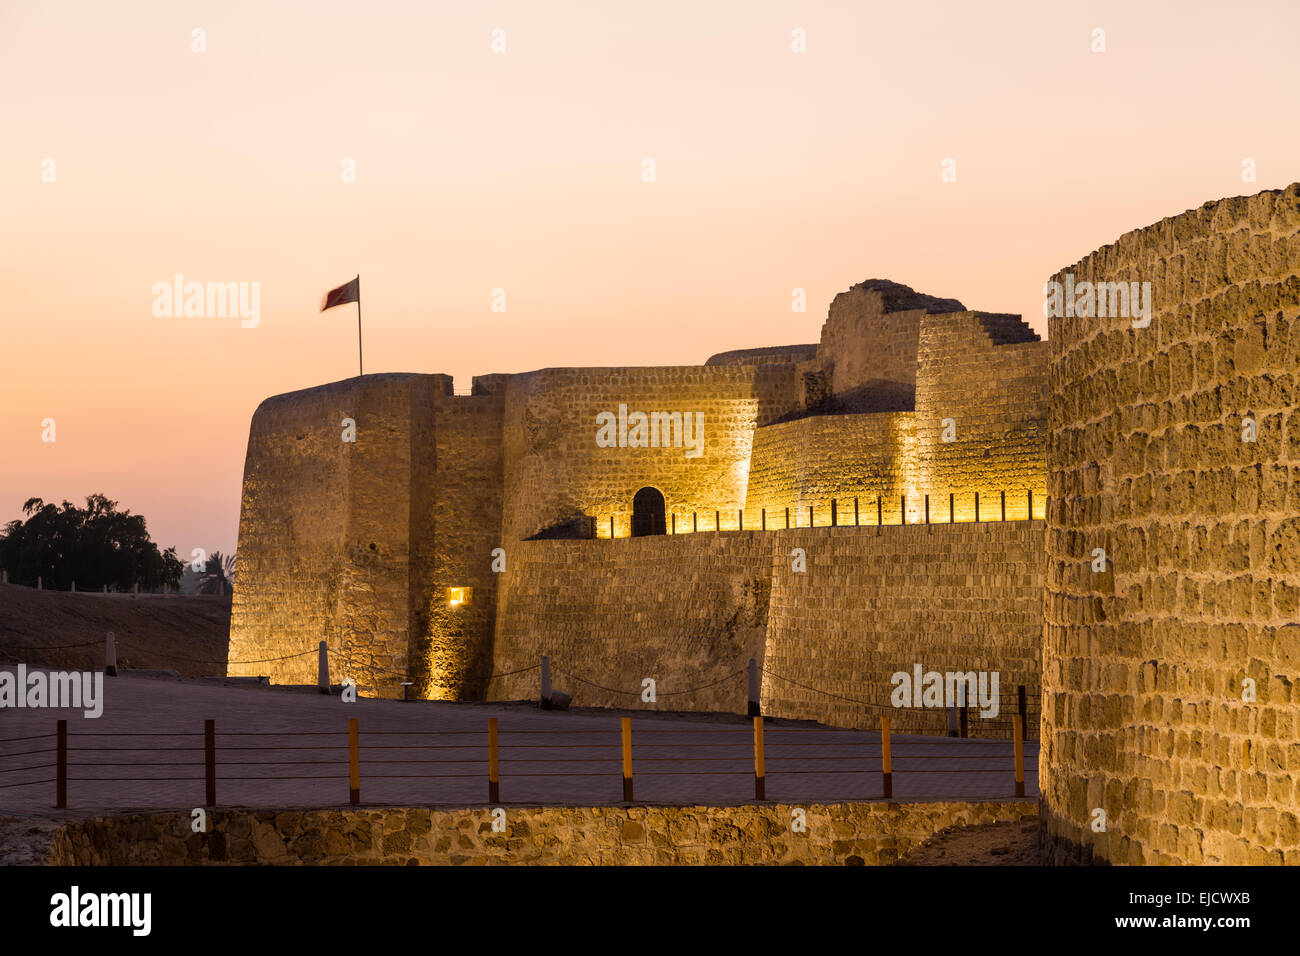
(961, 597)
(839, 834)
(554, 471)
(950, 597)
(1145, 662)
(812, 460)
(324, 534)
(356, 543)
(686, 610)
(988, 374)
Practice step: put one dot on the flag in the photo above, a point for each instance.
(347, 292)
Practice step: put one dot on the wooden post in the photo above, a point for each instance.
(1031, 504)
(611, 527)
(1020, 703)
(952, 721)
(927, 509)
(354, 763)
(965, 717)
(74, 587)
(717, 520)
(322, 668)
(110, 655)
(886, 758)
(39, 585)
(977, 507)
(855, 511)
(902, 509)
(135, 589)
(835, 515)
(210, 762)
(674, 522)
(762, 517)
(754, 688)
(760, 770)
(1020, 756)
(1004, 505)
(105, 588)
(740, 520)
(695, 521)
(546, 682)
(787, 519)
(627, 759)
(879, 514)
(4, 577)
(494, 777)
(61, 765)
(952, 514)
(811, 522)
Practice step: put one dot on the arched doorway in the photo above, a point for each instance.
(648, 513)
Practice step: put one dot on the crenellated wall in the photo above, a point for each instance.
(1171, 679)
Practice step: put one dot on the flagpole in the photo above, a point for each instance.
(360, 367)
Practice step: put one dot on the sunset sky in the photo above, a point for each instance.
(522, 171)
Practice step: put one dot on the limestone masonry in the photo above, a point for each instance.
(859, 506)
(758, 539)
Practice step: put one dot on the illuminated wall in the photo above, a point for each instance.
(555, 471)
(1146, 710)
(359, 542)
(689, 611)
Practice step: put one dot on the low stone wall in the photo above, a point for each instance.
(836, 834)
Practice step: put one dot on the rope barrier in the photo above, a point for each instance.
(815, 690)
(658, 694)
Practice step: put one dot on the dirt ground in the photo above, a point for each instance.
(186, 634)
(991, 844)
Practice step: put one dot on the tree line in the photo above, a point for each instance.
(95, 546)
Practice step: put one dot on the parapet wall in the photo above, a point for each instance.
(1149, 666)
(689, 610)
(854, 834)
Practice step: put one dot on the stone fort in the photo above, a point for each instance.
(947, 478)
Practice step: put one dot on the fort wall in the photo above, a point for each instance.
(988, 375)
(555, 472)
(324, 533)
(689, 610)
(1147, 713)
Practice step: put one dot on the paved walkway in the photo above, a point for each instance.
(146, 752)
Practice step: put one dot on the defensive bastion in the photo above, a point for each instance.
(1170, 679)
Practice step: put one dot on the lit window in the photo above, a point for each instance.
(458, 596)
